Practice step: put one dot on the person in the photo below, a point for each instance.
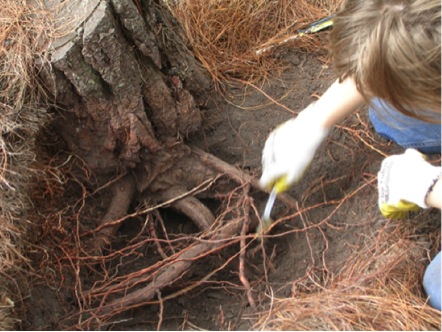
(386, 54)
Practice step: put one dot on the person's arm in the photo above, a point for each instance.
(290, 148)
(339, 100)
(434, 197)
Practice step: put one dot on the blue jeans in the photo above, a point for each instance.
(432, 281)
(426, 138)
(406, 131)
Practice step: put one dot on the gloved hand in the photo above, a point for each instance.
(404, 182)
(289, 149)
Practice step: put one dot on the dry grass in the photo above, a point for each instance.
(24, 34)
(379, 288)
(226, 34)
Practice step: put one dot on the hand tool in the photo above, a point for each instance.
(312, 28)
(266, 220)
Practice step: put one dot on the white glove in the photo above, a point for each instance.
(289, 149)
(404, 182)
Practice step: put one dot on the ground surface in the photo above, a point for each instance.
(337, 198)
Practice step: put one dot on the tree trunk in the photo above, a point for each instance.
(128, 92)
(127, 83)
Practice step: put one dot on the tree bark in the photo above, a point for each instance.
(126, 84)
(128, 93)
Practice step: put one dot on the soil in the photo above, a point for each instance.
(338, 197)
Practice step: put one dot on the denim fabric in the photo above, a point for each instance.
(426, 138)
(404, 130)
(432, 281)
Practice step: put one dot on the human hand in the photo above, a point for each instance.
(289, 149)
(404, 182)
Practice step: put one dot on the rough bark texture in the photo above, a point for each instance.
(126, 84)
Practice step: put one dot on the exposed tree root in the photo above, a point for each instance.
(169, 272)
(242, 276)
(140, 287)
(122, 195)
(189, 206)
(237, 174)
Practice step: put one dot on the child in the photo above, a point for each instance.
(386, 54)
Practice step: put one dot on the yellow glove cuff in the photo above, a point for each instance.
(281, 185)
(399, 210)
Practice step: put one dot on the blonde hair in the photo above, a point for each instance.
(391, 48)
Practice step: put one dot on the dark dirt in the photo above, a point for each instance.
(338, 197)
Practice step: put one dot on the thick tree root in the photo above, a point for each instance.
(123, 193)
(170, 272)
(191, 207)
(237, 175)
(176, 266)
